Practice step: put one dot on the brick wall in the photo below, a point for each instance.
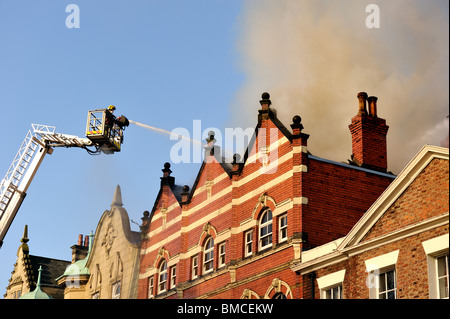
(321, 198)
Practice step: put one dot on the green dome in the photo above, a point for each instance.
(37, 293)
(79, 267)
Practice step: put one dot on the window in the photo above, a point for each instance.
(283, 228)
(387, 285)
(208, 255)
(333, 293)
(442, 276)
(331, 285)
(162, 277)
(173, 276)
(222, 255)
(95, 295)
(248, 243)
(265, 230)
(436, 250)
(194, 263)
(279, 295)
(116, 290)
(150, 287)
(381, 279)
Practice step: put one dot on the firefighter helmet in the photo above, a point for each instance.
(111, 107)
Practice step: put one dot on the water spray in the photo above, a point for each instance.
(160, 130)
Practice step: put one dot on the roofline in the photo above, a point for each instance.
(351, 244)
(392, 192)
(367, 170)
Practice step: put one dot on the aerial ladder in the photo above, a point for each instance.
(104, 134)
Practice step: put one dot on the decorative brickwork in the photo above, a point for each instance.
(242, 208)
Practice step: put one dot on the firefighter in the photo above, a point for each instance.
(110, 118)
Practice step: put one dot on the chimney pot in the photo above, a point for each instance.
(86, 241)
(362, 97)
(80, 240)
(372, 105)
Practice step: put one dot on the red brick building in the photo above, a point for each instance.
(398, 249)
(243, 226)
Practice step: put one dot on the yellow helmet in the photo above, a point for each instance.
(111, 107)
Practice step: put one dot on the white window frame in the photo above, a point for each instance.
(248, 243)
(208, 256)
(282, 228)
(151, 287)
(330, 292)
(222, 255)
(376, 268)
(434, 249)
(383, 281)
(444, 276)
(173, 276)
(115, 286)
(330, 282)
(194, 268)
(268, 224)
(162, 277)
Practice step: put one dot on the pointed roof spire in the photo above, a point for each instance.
(38, 284)
(117, 199)
(24, 241)
(91, 241)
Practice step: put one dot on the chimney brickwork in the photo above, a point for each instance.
(369, 133)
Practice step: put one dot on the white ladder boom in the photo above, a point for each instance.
(37, 143)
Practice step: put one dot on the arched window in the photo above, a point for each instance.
(162, 286)
(208, 255)
(279, 295)
(265, 230)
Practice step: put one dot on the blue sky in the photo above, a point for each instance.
(162, 63)
(168, 63)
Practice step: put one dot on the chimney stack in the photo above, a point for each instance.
(369, 136)
(79, 251)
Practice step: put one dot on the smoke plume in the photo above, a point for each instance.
(314, 56)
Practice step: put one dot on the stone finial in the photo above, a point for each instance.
(117, 199)
(296, 125)
(166, 170)
(265, 102)
(24, 240)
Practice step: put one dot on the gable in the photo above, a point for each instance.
(426, 197)
(420, 192)
(268, 144)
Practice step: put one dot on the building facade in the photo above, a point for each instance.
(242, 226)
(277, 222)
(34, 274)
(398, 249)
(106, 266)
